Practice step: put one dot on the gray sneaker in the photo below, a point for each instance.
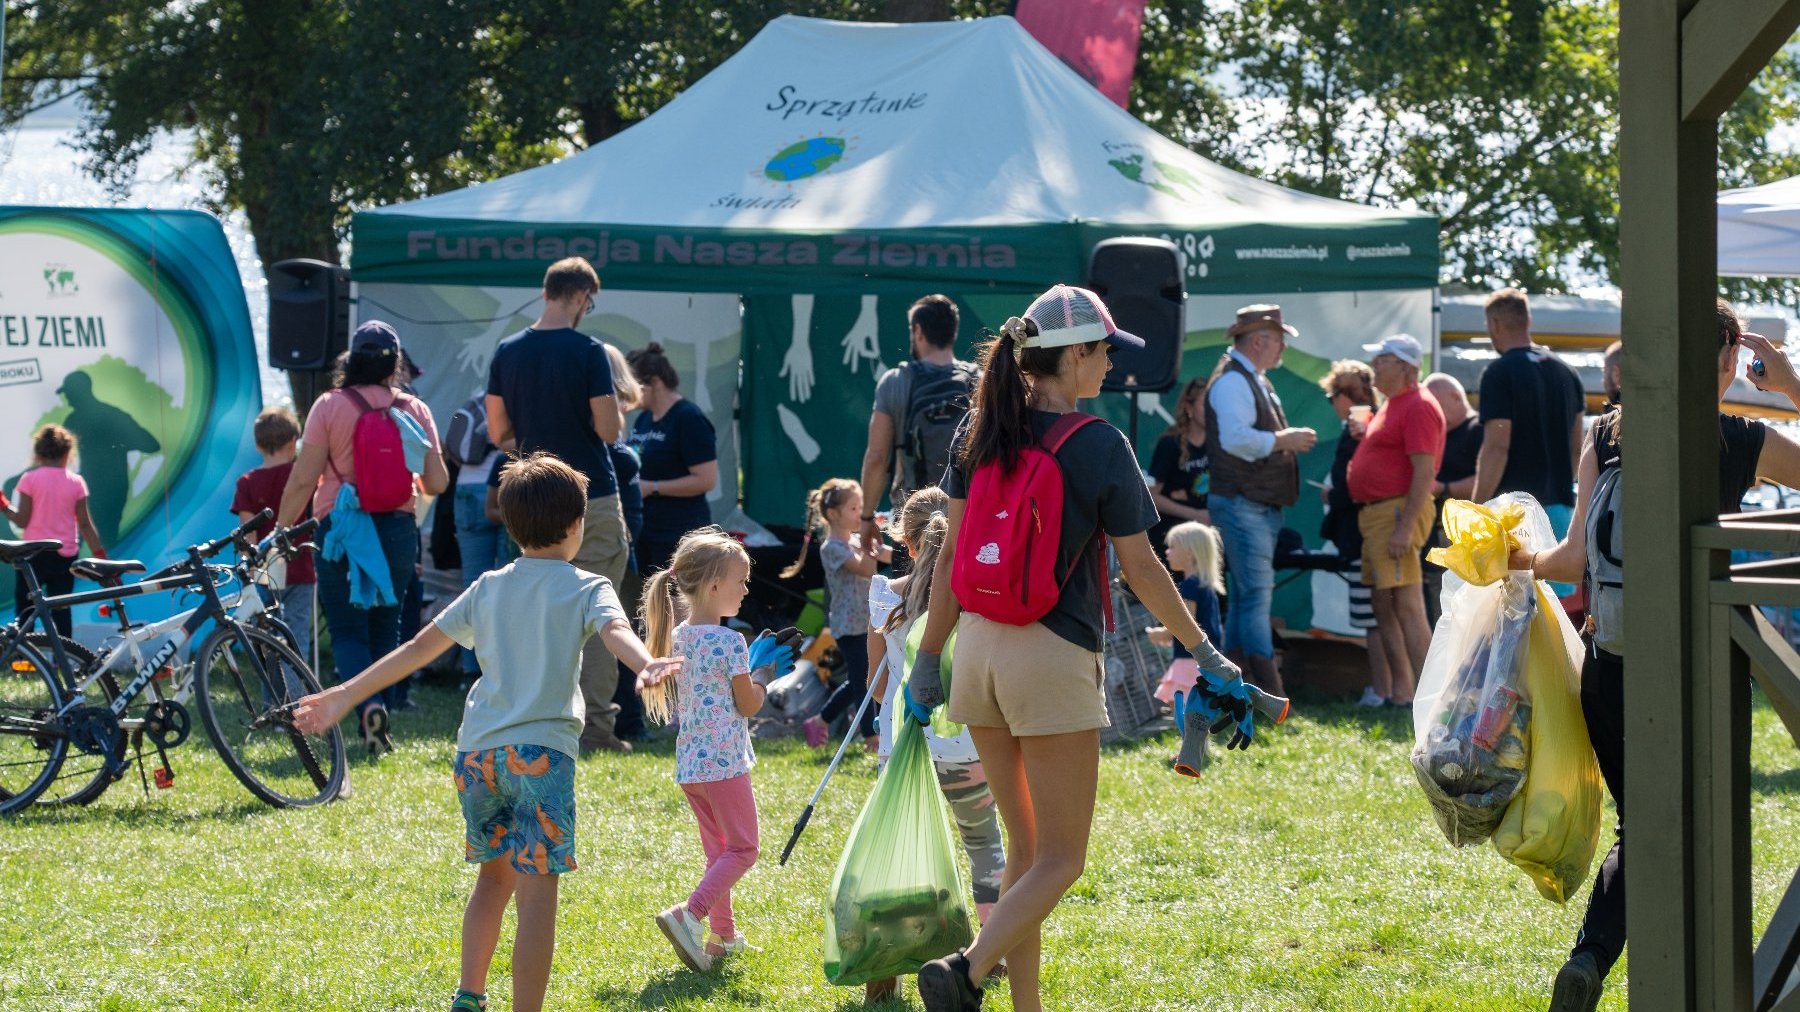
(1578, 985)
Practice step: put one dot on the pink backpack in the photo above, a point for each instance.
(378, 459)
(1005, 564)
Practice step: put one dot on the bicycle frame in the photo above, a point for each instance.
(247, 606)
(184, 625)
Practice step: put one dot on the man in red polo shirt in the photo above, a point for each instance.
(1392, 475)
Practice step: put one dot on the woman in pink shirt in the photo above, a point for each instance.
(52, 505)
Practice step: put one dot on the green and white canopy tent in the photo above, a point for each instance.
(829, 174)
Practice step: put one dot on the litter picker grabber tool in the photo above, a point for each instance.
(844, 746)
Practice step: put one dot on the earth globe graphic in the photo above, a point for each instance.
(804, 158)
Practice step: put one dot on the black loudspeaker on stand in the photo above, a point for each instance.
(309, 314)
(1141, 280)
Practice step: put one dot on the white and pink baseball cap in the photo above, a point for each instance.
(1067, 315)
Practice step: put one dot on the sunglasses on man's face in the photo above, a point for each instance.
(590, 305)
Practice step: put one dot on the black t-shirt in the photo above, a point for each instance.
(1186, 483)
(547, 378)
(1740, 448)
(1103, 489)
(1541, 397)
(1340, 526)
(1462, 447)
(668, 449)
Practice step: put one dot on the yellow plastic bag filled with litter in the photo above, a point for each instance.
(1508, 705)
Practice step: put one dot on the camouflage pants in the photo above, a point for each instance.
(965, 786)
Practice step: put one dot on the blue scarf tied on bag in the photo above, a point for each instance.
(352, 538)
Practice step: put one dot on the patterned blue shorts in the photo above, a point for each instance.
(518, 801)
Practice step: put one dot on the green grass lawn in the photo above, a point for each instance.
(1305, 874)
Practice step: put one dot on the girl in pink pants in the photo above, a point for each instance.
(714, 694)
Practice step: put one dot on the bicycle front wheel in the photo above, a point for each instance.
(243, 681)
(33, 742)
(84, 776)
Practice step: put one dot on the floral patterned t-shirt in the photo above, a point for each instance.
(714, 742)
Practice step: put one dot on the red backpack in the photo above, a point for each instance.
(383, 482)
(1005, 564)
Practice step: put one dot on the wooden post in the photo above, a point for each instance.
(1668, 247)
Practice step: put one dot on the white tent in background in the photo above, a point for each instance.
(1759, 230)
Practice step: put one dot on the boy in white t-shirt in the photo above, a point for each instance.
(515, 758)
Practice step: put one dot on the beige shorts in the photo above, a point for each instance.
(1024, 678)
(1377, 521)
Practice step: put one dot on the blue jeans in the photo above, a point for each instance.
(360, 635)
(479, 542)
(1248, 530)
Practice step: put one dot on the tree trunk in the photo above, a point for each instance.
(916, 10)
(599, 120)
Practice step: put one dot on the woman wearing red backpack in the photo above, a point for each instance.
(353, 439)
(1035, 489)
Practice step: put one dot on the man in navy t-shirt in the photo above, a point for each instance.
(551, 387)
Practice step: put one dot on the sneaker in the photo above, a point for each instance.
(374, 726)
(1371, 699)
(815, 731)
(944, 985)
(468, 1001)
(687, 934)
(1577, 985)
(718, 947)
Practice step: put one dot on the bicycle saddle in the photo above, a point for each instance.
(15, 552)
(105, 571)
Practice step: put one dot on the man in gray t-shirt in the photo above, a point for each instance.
(918, 406)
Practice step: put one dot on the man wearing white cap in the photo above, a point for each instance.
(1392, 475)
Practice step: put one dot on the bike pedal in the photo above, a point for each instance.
(165, 778)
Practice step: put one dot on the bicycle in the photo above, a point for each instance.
(168, 727)
(244, 680)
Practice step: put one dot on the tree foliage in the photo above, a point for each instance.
(1500, 116)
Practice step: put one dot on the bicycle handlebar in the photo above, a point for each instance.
(214, 547)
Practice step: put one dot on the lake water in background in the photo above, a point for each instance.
(38, 166)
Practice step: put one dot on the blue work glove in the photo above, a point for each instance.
(1230, 702)
(924, 683)
(1192, 720)
(772, 655)
(914, 709)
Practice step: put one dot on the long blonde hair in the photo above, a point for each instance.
(1202, 545)
(702, 556)
(828, 496)
(922, 521)
(625, 382)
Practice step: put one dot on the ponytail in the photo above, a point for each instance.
(1000, 420)
(819, 502)
(814, 520)
(702, 557)
(659, 616)
(923, 523)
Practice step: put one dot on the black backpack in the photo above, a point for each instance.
(935, 407)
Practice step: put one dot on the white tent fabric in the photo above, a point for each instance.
(1759, 230)
(1010, 136)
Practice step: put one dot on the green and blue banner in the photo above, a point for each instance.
(130, 329)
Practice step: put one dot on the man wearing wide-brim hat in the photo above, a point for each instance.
(1255, 475)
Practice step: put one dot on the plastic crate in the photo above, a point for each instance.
(1134, 667)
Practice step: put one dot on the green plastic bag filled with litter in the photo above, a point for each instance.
(897, 899)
